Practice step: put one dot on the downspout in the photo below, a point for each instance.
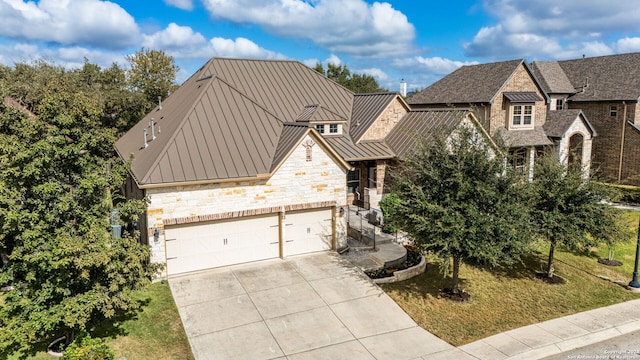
(624, 121)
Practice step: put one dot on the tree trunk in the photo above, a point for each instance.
(552, 247)
(456, 270)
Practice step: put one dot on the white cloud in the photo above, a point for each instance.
(333, 59)
(431, 65)
(378, 74)
(180, 4)
(552, 29)
(628, 44)
(353, 27)
(182, 42)
(81, 22)
(67, 57)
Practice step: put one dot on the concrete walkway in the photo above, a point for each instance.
(316, 306)
(321, 306)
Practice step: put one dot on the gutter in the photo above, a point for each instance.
(624, 121)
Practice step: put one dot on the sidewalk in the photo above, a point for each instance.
(553, 336)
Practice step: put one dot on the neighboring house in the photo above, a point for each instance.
(257, 159)
(510, 103)
(606, 89)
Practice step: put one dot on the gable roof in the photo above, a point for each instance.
(469, 84)
(209, 130)
(425, 124)
(530, 137)
(552, 77)
(613, 77)
(558, 122)
(366, 109)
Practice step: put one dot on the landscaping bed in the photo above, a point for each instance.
(414, 265)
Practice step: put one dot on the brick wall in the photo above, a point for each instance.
(520, 81)
(387, 120)
(296, 182)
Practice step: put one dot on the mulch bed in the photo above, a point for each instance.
(554, 280)
(610, 262)
(460, 296)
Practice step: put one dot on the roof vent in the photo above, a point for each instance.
(145, 139)
(152, 124)
(159, 102)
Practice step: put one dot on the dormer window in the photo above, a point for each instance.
(333, 128)
(320, 128)
(522, 115)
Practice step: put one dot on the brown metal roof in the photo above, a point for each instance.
(422, 124)
(558, 122)
(366, 109)
(226, 122)
(524, 96)
(369, 150)
(283, 87)
(468, 84)
(604, 78)
(318, 113)
(552, 78)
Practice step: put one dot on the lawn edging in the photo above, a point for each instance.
(401, 275)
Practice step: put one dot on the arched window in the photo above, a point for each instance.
(576, 142)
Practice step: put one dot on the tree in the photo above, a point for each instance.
(59, 181)
(152, 72)
(567, 208)
(458, 201)
(358, 83)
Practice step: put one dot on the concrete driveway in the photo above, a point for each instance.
(316, 306)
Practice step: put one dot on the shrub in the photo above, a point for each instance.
(87, 348)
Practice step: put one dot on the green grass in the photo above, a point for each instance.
(507, 298)
(155, 332)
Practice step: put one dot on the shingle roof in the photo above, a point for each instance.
(613, 77)
(558, 122)
(423, 124)
(533, 137)
(552, 78)
(226, 121)
(468, 84)
(366, 109)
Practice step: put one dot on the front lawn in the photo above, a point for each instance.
(155, 332)
(504, 299)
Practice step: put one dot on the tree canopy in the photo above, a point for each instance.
(152, 72)
(569, 209)
(59, 182)
(458, 201)
(358, 83)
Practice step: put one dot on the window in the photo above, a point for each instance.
(353, 181)
(320, 128)
(613, 110)
(522, 115)
(518, 159)
(559, 104)
(333, 128)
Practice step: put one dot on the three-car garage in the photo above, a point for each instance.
(204, 245)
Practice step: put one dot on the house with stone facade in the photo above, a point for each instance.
(256, 159)
(606, 90)
(512, 104)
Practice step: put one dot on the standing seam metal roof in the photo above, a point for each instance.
(366, 109)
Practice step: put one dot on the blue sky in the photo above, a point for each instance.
(419, 41)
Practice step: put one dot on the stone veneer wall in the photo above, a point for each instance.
(296, 182)
(606, 146)
(521, 80)
(578, 127)
(387, 120)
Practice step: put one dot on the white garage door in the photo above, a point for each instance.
(307, 231)
(199, 246)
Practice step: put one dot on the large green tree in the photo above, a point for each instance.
(458, 201)
(152, 72)
(59, 181)
(358, 83)
(569, 209)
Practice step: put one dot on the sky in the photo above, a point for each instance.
(416, 41)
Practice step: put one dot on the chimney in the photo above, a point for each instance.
(403, 88)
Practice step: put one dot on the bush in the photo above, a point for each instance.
(87, 348)
(388, 205)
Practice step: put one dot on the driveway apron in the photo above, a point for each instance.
(316, 306)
